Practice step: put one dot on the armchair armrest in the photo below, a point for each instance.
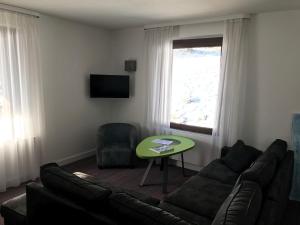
(100, 138)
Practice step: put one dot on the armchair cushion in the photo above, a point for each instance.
(115, 155)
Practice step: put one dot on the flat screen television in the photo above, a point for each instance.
(109, 86)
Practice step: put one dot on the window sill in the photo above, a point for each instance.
(194, 129)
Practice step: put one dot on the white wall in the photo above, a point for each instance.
(129, 44)
(69, 53)
(274, 77)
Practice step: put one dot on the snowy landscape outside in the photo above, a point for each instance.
(195, 85)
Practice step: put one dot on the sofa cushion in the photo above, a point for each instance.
(134, 211)
(241, 207)
(240, 156)
(262, 171)
(278, 148)
(70, 186)
(224, 151)
(188, 216)
(219, 171)
(200, 195)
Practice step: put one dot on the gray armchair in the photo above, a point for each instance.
(116, 143)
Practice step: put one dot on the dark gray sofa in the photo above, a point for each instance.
(200, 198)
(244, 187)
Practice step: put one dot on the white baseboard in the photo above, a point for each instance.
(186, 165)
(76, 157)
(91, 152)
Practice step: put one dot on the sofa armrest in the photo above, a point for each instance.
(140, 212)
(14, 210)
(47, 208)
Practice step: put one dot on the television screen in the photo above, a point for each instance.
(109, 86)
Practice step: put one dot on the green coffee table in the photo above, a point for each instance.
(180, 144)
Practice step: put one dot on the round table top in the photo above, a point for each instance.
(180, 144)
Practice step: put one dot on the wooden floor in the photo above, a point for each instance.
(130, 178)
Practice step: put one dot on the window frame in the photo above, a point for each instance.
(194, 43)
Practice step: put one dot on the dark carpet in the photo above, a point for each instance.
(130, 178)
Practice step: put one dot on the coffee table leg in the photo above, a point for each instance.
(182, 164)
(146, 172)
(165, 176)
(161, 167)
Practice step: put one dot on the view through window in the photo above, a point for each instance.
(196, 69)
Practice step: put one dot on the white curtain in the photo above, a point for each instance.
(227, 128)
(158, 61)
(21, 105)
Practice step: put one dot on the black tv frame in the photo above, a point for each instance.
(108, 80)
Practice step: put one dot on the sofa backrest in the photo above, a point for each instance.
(265, 167)
(261, 171)
(278, 148)
(273, 171)
(277, 193)
(66, 184)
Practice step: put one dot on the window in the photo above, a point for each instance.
(196, 69)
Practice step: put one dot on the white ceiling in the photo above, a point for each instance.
(128, 13)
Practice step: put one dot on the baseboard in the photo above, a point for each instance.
(76, 157)
(89, 153)
(186, 165)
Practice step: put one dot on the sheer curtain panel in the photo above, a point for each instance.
(21, 105)
(158, 61)
(227, 128)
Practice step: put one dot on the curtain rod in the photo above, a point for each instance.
(19, 10)
(190, 22)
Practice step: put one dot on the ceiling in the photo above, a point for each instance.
(128, 13)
